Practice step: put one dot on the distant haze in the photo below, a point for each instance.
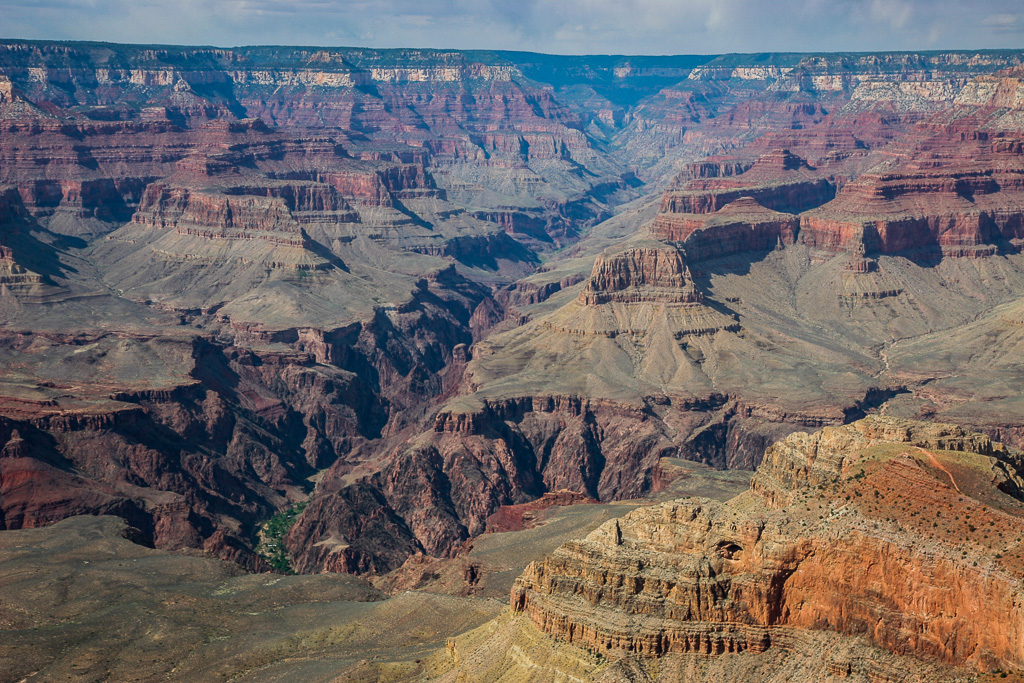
(554, 26)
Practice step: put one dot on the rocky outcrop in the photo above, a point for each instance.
(810, 460)
(525, 293)
(636, 275)
(742, 226)
(946, 209)
(14, 277)
(695, 576)
(792, 197)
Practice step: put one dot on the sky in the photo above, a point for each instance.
(554, 26)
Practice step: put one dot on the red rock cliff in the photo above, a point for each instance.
(699, 576)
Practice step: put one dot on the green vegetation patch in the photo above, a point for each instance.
(271, 538)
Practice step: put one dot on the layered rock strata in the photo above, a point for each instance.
(244, 269)
(814, 546)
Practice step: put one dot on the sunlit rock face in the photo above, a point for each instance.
(861, 530)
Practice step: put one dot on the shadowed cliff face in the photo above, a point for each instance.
(419, 286)
(234, 440)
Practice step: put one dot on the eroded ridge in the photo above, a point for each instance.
(852, 530)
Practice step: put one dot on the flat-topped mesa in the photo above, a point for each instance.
(641, 274)
(777, 165)
(710, 167)
(213, 225)
(778, 180)
(718, 213)
(213, 215)
(381, 187)
(307, 202)
(698, 576)
(526, 293)
(643, 290)
(964, 212)
(829, 146)
(204, 165)
(741, 226)
(791, 197)
(409, 181)
(506, 148)
(365, 189)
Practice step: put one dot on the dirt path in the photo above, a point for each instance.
(883, 355)
(935, 461)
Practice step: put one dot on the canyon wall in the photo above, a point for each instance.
(413, 286)
(808, 551)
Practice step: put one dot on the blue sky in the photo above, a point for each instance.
(558, 26)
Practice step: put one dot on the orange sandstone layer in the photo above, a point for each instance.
(817, 545)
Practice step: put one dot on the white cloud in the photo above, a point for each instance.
(1005, 23)
(895, 13)
(561, 26)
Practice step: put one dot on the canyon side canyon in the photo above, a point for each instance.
(529, 367)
